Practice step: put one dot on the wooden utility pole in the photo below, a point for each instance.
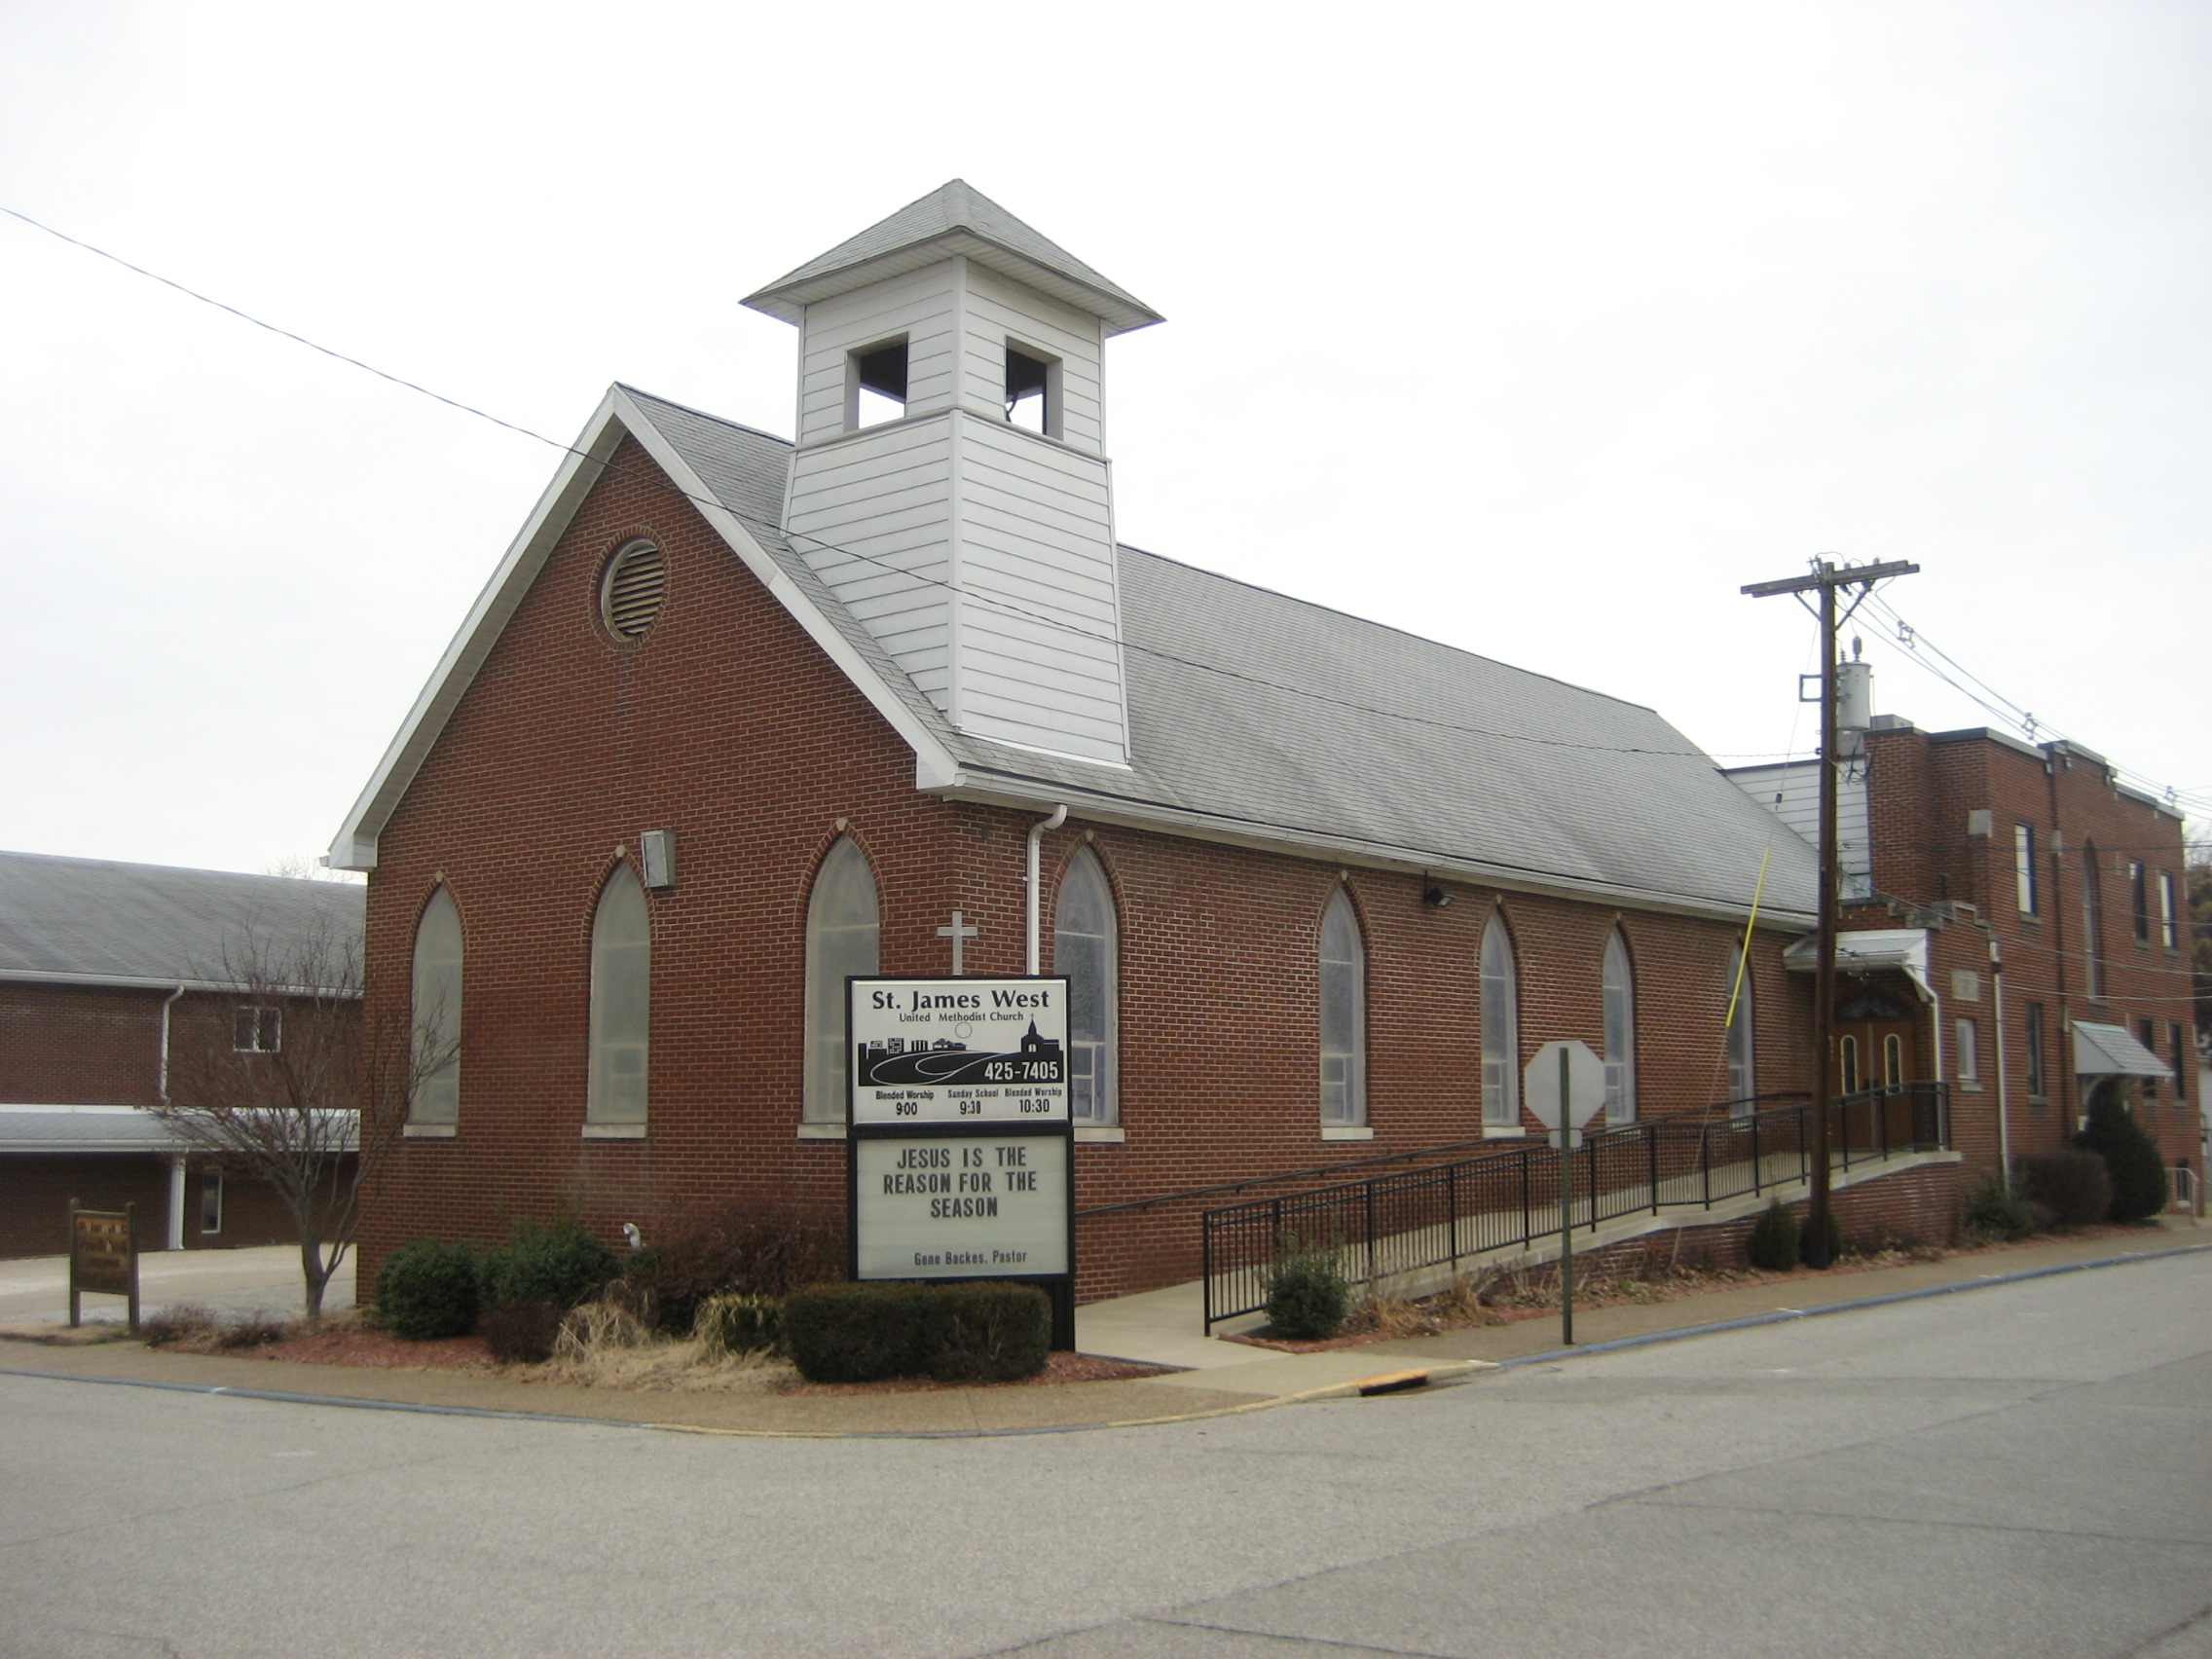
(1825, 579)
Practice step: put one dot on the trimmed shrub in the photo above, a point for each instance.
(987, 1332)
(2072, 1189)
(561, 1264)
(1774, 1241)
(1996, 1211)
(522, 1332)
(740, 1324)
(1307, 1294)
(1835, 1240)
(734, 1250)
(427, 1289)
(855, 1333)
(2131, 1157)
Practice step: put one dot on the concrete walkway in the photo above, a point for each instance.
(1224, 1377)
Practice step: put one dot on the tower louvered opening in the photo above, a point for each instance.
(635, 583)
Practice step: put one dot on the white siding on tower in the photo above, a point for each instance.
(999, 312)
(922, 305)
(1792, 793)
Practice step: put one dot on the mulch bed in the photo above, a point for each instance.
(367, 1347)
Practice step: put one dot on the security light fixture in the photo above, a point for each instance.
(1439, 896)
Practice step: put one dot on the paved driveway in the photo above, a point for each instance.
(2021, 1471)
(34, 1289)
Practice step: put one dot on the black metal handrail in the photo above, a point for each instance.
(1429, 1217)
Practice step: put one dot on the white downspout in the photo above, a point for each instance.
(175, 1239)
(1037, 831)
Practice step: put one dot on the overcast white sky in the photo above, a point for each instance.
(1535, 329)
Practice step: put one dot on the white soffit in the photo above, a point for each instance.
(1904, 949)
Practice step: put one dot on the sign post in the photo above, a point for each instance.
(1564, 1086)
(103, 1257)
(959, 1140)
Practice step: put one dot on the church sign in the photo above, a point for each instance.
(959, 1138)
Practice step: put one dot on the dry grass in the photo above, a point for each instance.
(188, 1328)
(607, 1344)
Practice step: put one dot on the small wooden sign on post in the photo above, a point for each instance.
(103, 1255)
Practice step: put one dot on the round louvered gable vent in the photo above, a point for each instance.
(635, 583)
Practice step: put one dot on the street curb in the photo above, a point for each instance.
(1785, 1315)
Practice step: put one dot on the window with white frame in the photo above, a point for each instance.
(875, 384)
(2092, 923)
(1085, 947)
(1743, 1076)
(437, 1012)
(842, 938)
(1970, 1051)
(1620, 1031)
(2031, 1034)
(2139, 900)
(621, 1001)
(1032, 390)
(257, 1030)
(2025, 868)
(1343, 1016)
(1502, 1029)
(2169, 931)
(211, 1202)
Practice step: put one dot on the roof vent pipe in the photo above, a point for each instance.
(1036, 905)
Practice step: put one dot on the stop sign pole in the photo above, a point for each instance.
(1565, 1086)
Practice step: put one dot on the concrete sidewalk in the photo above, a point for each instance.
(1160, 1326)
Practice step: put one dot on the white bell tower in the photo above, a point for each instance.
(950, 483)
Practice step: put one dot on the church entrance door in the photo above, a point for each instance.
(1876, 1058)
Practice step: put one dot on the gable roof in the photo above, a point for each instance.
(89, 921)
(1255, 719)
(955, 218)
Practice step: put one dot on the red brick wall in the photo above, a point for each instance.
(35, 1190)
(728, 726)
(79, 1045)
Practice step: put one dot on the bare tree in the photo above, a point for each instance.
(296, 1087)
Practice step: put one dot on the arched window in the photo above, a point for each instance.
(621, 1001)
(841, 938)
(1620, 1032)
(1086, 948)
(436, 1001)
(1343, 1016)
(1849, 1069)
(2092, 924)
(1501, 1030)
(1743, 1078)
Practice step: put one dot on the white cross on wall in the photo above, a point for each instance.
(960, 933)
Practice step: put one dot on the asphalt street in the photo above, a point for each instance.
(2021, 1471)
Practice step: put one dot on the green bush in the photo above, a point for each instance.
(1997, 1211)
(855, 1333)
(2071, 1189)
(2131, 1157)
(1773, 1243)
(427, 1289)
(740, 1324)
(986, 1333)
(1307, 1294)
(561, 1264)
(1835, 1240)
(522, 1332)
(968, 1332)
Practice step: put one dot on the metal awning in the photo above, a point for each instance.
(2109, 1051)
(1868, 951)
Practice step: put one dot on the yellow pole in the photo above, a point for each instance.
(1743, 956)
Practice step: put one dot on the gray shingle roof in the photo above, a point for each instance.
(954, 218)
(1253, 712)
(88, 919)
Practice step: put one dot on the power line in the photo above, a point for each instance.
(1005, 607)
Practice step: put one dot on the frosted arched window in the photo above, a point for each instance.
(1501, 1030)
(842, 937)
(1743, 1079)
(621, 1001)
(1085, 947)
(1343, 1016)
(1620, 1032)
(436, 1020)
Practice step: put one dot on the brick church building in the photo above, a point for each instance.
(736, 717)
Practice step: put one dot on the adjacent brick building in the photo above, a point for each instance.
(736, 717)
(2019, 924)
(110, 976)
